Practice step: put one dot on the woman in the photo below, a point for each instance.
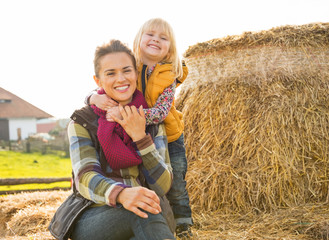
(114, 161)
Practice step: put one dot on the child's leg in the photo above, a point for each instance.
(178, 195)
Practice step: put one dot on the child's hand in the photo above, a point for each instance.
(102, 101)
(113, 111)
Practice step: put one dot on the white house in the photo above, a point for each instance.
(18, 118)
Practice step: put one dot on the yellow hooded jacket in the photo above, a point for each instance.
(161, 78)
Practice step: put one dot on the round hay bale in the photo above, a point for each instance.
(256, 114)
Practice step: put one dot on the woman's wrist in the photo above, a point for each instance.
(138, 137)
(120, 196)
(144, 142)
(113, 197)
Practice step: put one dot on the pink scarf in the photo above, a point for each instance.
(116, 143)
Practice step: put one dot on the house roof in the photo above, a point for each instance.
(12, 106)
(45, 127)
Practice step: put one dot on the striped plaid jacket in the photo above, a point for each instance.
(93, 177)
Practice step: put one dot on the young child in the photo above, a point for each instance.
(160, 72)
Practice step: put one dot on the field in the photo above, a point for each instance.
(33, 165)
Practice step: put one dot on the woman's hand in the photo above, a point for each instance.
(133, 121)
(136, 198)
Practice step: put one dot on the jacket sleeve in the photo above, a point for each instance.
(161, 108)
(88, 176)
(156, 163)
(87, 99)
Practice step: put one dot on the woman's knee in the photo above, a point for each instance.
(153, 227)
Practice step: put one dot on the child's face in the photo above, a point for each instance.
(154, 45)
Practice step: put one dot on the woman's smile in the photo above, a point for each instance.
(122, 88)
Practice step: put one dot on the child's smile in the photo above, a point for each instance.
(154, 46)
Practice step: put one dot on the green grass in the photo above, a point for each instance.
(33, 165)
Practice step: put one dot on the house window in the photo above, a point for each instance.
(5, 100)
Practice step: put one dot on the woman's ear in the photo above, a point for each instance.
(97, 81)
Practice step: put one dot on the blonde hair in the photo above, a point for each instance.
(172, 56)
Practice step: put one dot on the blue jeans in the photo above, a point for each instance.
(178, 195)
(105, 222)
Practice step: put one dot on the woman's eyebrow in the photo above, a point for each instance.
(126, 67)
(112, 70)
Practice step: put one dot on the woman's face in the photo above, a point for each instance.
(117, 76)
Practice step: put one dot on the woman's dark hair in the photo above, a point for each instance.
(114, 46)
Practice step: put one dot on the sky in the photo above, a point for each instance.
(47, 46)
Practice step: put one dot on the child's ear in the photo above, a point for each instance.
(97, 81)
